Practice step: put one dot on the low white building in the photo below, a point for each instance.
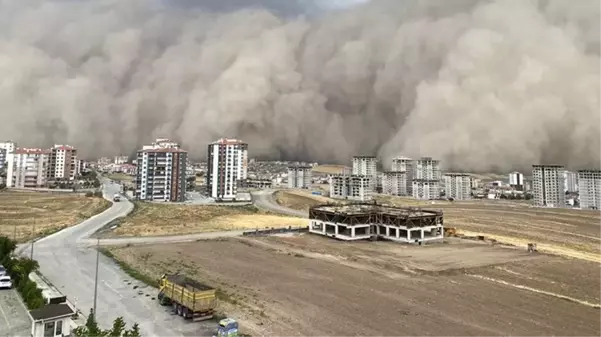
(458, 186)
(52, 320)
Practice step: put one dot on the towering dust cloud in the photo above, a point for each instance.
(481, 85)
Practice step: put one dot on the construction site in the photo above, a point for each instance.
(372, 221)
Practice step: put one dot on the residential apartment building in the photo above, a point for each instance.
(458, 186)
(63, 163)
(548, 187)
(161, 175)
(120, 160)
(351, 187)
(9, 146)
(426, 176)
(27, 168)
(299, 176)
(516, 180)
(227, 166)
(402, 164)
(366, 166)
(2, 158)
(589, 186)
(394, 183)
(570, 180)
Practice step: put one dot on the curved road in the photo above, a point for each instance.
(68, 260)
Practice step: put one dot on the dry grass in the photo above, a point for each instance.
(299, 200)
(49, 211)
(329, 169)
(120, 177)
(151, 219)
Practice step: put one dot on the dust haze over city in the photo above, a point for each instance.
(480, 85)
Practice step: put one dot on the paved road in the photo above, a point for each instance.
(14, 319)
(71, 268)
(264, 199)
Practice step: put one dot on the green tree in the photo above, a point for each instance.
(91, 329)
(117, 329)
(133, 332)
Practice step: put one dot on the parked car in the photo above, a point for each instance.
(3, 270)
(6, 282)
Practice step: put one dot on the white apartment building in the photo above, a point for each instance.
(9, 146)
(161, 175)
(589, 185)
(351, 187)
(426, 189)
(120, 160)
(402, 164)
(2, 158)
(161, 143)
(366, 166)
(27, 168)
(548, 186)
(63, 162)
(426, 176)
(570, 181)
(227, 165)
(299, 176)
(394, 183)
(516, 180)
(458, 186)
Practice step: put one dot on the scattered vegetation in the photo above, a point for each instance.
(146, 279)
(91, 329)
(19, 270)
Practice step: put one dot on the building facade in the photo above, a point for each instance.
(9, 146)
(458, 186)
(426, 177)
(299, 176)
(366, 166)
(227, 165)
(63, 163)
(162, 143)
(548, 187)
(2, 158)
(394, 183)
(120, 160)
(570, 180)
(516, 180)
(589, 186)
(351, 187)
(27, 168)
(161, 175)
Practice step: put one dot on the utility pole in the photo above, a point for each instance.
(96, 280)
(32, 239)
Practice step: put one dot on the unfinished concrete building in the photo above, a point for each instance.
(351, 187)
(425, 182)
(394, 183)
(299, 176)
(458, 186)
(366, 166)
(362, 221)
(589, 185)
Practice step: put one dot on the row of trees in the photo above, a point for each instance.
(19, 269)
(91, 329)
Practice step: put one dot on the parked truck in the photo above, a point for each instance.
(188, 298)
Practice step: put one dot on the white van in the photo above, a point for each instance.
(6, 282)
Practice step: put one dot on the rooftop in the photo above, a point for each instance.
(228, 141)
(51, 311)
(30, 151)
(164, 150)
(363, 208)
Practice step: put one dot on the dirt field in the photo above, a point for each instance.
(153, 219)
(309, 285)
(329, 169)
(120, 177)
(299, 200)
(50, 211)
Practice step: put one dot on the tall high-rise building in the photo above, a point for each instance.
(426, 178)
(353, 187)
(62, 163)
(548, 185)
(404, 164)
(9, 146)
(2, 158)
(458, 186)
(299, 176)
(570, 181)
(27, 168)
(394, 183)
(161, 175)
(589, 186)
(366, 166)
(516, 180)
(227, 165)
(162, 143)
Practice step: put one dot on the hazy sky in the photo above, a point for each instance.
(480, 84)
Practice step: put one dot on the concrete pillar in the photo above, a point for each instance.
(336, 229)
(408, 234)
(323, 228)
(387, 231)
(422, 233)
(398, 233)
(353, 232)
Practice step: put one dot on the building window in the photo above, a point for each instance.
(49, 329)
(59, 328)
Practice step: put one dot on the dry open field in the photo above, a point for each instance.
(49, 211)
(154, 219)
(329, 169)
(299, 199)
(120, 177)
(309, 285)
